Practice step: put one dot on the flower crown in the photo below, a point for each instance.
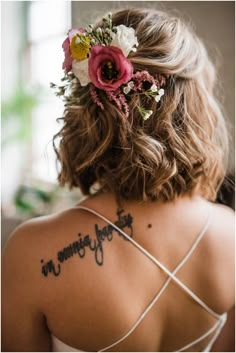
(97, 57)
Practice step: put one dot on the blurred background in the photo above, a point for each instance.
(32, 33)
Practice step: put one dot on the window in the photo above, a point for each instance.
(48, 23)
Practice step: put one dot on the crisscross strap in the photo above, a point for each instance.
(217, 327)
(171, 275)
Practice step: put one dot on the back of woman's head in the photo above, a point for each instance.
(180, 149)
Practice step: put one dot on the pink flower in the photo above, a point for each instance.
(92, 90)
(108, 67)
(67, 64)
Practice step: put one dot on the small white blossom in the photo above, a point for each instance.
(80, 70)
(147, 114)
(161, 92)
(159, 95)
(125, 39)
(126, 89)
(153, 88)
(131, 84)
(157, 98)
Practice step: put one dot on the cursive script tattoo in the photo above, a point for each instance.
(84, 243)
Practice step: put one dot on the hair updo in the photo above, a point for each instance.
(181, 148)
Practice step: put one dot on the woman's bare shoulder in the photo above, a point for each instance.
(220, 248)
(41, 237)
(41, 227)
(223, 225)
(38, 236)
(223, 209)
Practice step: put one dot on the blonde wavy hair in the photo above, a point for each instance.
(181, 149)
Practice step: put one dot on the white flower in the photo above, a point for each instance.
(159, 95)
(157, 98)
(128, 88)
(80, 70)
(147, 114)
(77, 40)
(131, 84)
(125, 39)
(153, 88)
(161, 92)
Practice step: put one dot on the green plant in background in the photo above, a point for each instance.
(32, 201)
(27, 198)
(40, 198)
(16, 115)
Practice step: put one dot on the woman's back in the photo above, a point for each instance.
(93, 295)
(142, 123)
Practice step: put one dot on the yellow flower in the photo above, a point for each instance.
(80, 46)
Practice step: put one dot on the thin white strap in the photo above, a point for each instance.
(153, 302)
(160, 292)
(140, 318)
(218, 331)
(159, 264)
(217, 326)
